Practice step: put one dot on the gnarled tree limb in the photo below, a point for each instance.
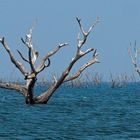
(13, 86)
(14, 61)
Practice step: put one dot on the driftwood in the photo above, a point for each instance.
(30, 77)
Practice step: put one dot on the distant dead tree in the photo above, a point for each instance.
(93, 78)
(114, 81)
(133, 53)
(118, 81)
(97, 78)
(30, 77)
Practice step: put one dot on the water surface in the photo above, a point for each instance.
(73, 113)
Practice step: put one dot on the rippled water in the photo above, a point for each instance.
(73, 113)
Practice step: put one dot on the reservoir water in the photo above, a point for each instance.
(73, 113)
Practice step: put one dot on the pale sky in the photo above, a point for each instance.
(120, 25)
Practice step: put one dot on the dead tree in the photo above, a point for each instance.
(134, 56)
(30, 77)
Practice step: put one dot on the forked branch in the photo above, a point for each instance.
(80, 44)
(42, 65)
(80, 53)
(85, 34)
(82, 68)
(32, 54)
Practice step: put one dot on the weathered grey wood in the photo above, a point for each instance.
(30, 76)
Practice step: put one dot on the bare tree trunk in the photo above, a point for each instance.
(30, 91)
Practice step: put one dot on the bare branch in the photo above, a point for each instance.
(89, 63)
(23, 41)
(47, 56)
(94, 24)
(14, 61)
(95, 54)
(69, 67)
(22, 56)
(32, 54)
(13, 86)
(55, 50)
(134, 57)
(81, 42)
(38, 70)
(49, 62)
(79, 53)
(81, 27)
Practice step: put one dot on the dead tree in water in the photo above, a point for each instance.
(133, 55)
(30, 77)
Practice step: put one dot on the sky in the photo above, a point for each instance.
(56, 23)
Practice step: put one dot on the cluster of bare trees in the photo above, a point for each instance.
(88, 80)
(96, 79)
(121, 80)
(30, 77)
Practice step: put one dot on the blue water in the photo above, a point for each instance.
(73, 113)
